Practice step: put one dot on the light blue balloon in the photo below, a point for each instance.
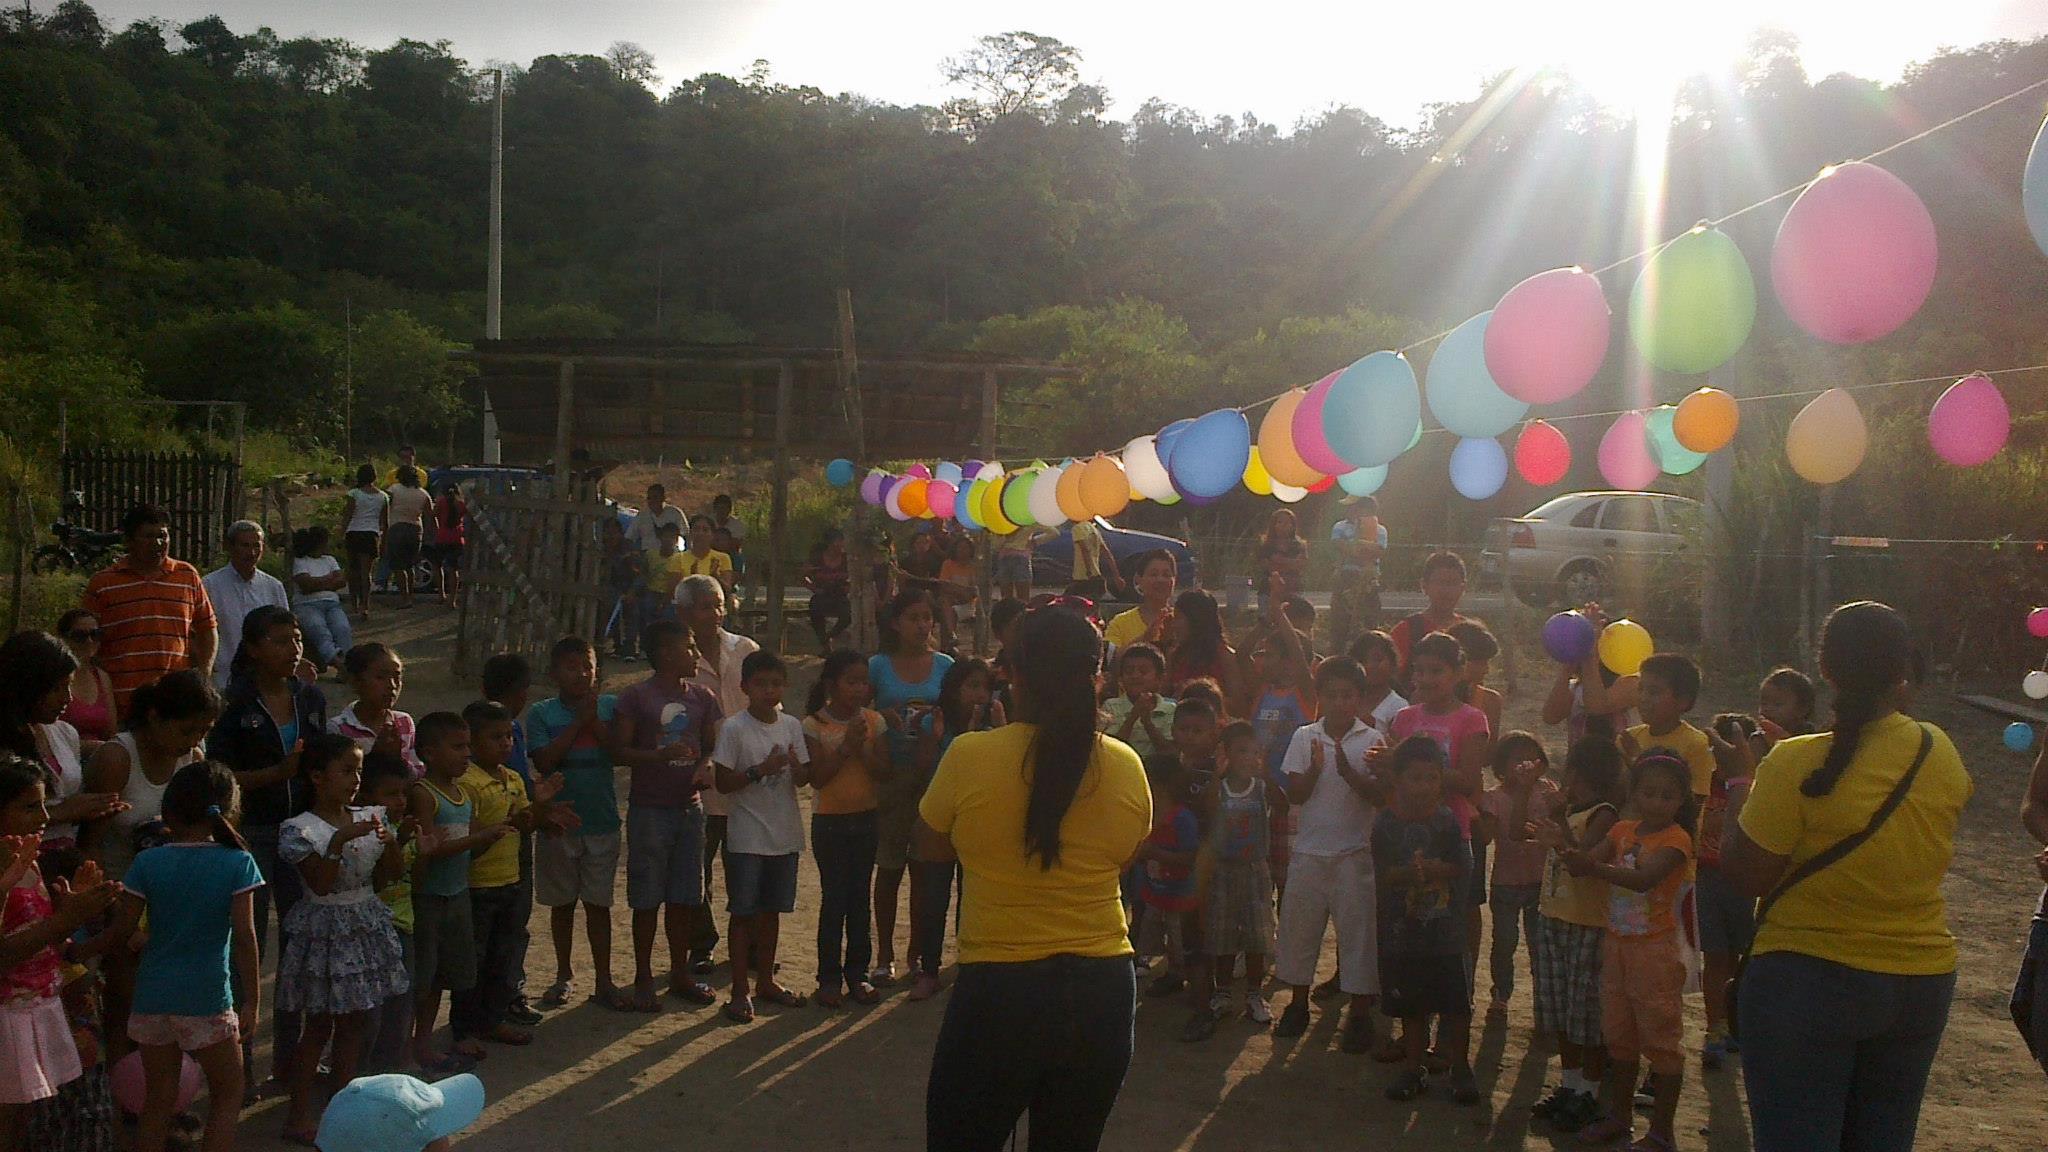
(1209, 457)
(1674, 458)
(2019, 737)
(839, 473)
(949, 472)
(963, 505)
(2034, 188)
(1368, 405)
(1462, 395)
(1162, 444)
(1363, 482)
(1478, 467)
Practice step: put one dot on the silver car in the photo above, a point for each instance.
(1586, 546)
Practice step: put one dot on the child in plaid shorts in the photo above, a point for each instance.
(1570, 929)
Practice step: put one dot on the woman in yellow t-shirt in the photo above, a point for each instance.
(1155, 574)
(1043, 815)
(1848, 988)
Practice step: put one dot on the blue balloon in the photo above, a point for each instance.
(949, 472)
(2019, 737)
(1372, 410)
(1478, 467)
(2034, 188)
(1462, 394)
(1209, 457)
(1674, 458)
(1363, 482)
(1164, 442)
(963, 505)
(839, 473)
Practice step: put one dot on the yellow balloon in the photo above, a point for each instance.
(1624, 645)
(1256, 478)
(1068, 494)
(1828, 438)
(1706, 420)
(991, 511)
(1276, 444)
(1105, 490)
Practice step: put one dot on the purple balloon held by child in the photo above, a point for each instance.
(1569, 637)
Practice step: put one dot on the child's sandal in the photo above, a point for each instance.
(1606, 1130)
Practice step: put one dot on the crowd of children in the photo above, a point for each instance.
(1293, 793)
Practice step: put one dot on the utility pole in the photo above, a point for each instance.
(494, 287)
(348, 377)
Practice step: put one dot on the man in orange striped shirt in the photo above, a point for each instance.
(154, 613)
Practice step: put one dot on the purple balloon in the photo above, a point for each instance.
(871, 489)
(1569, 637)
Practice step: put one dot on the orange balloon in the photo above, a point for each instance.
(1706, 420)
(1276, 443)
(1104, 487)
(913, 499)
(1068, 493)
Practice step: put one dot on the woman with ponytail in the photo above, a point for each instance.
(1043, 815)
(196, 986)
(1843, 1002)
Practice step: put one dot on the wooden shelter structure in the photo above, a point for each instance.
(559, 400)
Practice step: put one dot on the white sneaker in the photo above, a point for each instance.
(1219, 1004)
(1256, 1010)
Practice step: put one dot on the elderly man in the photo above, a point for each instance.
(154, 613)
(700, 605)
(238, 588)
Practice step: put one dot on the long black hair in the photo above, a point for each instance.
(204, 792)
(256, 628)
(957, 716)
(837, 662)
(1866, 650)
(178, 695)
(1058, 656)
(1669, 762)
(17, 773)
(32, 664)
(1204, 647)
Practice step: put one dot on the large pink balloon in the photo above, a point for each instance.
(1970, 422)
(1307, 428)
(129, 1084)
(1625, 458)
(940, 496)
(1855, 256)
(1548, 336)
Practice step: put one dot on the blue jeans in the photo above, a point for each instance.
(499, 915)
(1050, 1037)
(328, 633)
(844, 846)
(2030, 993)
(1835, 1057)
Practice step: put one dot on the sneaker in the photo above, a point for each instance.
(1464, 1087)
(1219, 1004)
(1166, 985)
(522, 1014)
(1257, 1010)
(1293, 1020)
(1582, 1109)
(1646, 1095)
(1550, 1106)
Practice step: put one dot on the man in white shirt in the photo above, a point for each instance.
(645, 532)
(238, 588)
(700, 605)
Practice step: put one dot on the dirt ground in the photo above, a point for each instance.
(854, 1079)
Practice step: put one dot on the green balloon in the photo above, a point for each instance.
(1692, 307)
(1674, 458)
(1016, 499)
(1417, 438)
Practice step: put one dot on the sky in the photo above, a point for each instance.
(1279, 59)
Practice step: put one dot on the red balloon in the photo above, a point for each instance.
(1323, 485)
(1542, 454)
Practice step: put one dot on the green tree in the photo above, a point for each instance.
(405, 384)
(282, 361)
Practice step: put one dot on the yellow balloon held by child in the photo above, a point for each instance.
(1624, 645)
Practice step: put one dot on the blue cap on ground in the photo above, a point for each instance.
(398, 1113)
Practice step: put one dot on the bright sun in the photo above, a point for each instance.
(1632, 56)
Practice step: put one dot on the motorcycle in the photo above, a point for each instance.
(78, 548)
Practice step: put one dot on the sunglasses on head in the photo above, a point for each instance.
(83, 635)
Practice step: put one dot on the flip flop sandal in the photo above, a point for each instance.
(826, 998)
(615, 999)
(509, 1036)
(556, 996)
(782, 997)
(1606, 1130)
(739, 1012)
(698, 994)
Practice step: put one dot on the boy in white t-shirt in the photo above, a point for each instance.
(761, 761)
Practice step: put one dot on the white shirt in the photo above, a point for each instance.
(1336, 820)
(233, 598)
(645, 534)
(366, 509)
(763, 819)
(409, 505)
(738, 528)
(733, 651)
(1383, 714)
(315, 566)
(61, 742)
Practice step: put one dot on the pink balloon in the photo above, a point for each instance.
(1542, 454)
(1309, 442)
(1625, 459)
(1548, 336)
(921, 471)
(2037, 623)
(939, 496)
(1855, 256)
(129, 1086)
(1969, 422)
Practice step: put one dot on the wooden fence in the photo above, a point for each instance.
(202, 493)
(532, 570)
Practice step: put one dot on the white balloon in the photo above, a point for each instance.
(993, 470)
(2035, 685)
(893, 503)
(1147, 475)
(1045, 498)
(1288, 493)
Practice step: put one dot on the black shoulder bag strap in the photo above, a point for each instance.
(1834, 853)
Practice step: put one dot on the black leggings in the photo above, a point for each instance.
(1049, 1037)
(933, 895)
